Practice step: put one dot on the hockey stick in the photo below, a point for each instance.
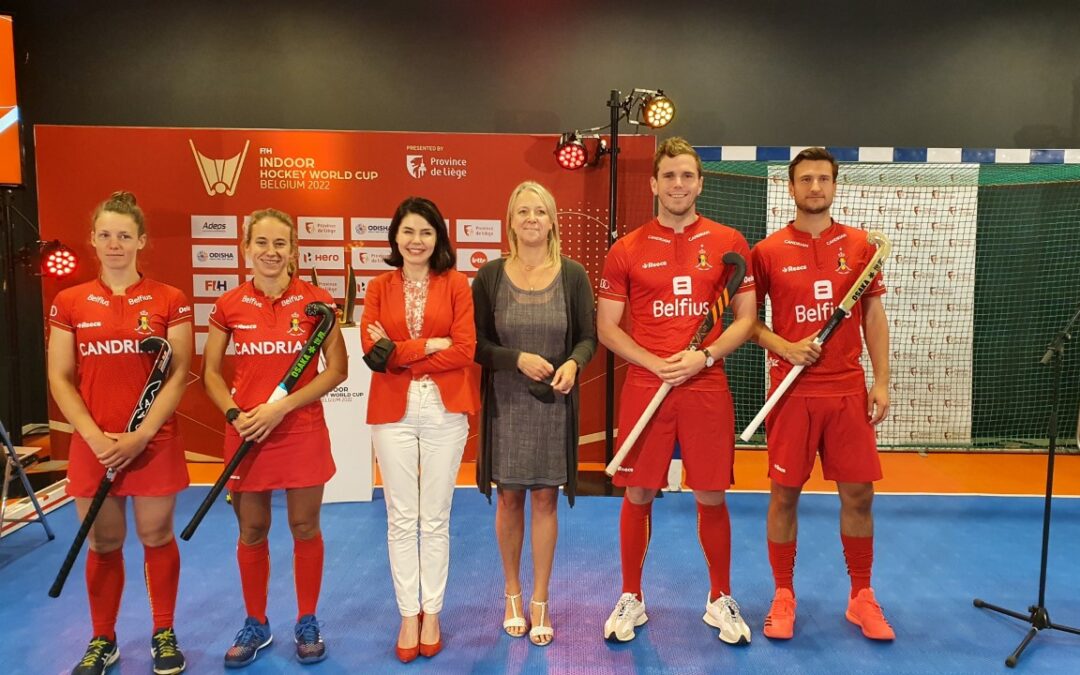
(150, 391)
(307, 354)
(884, 246)
(712, 317)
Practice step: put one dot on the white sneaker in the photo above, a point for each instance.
(723, 613)
(629, 613)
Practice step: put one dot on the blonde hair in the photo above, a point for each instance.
(123, 203)
(284, 219)
(554, 250)
(673, 147)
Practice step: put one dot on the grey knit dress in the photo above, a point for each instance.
(529, 440)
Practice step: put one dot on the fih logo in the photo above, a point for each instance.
(415, 165)
(219, 175)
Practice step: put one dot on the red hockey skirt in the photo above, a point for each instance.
(160, 470)
(283, 461)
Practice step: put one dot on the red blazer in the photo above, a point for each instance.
(448, 313)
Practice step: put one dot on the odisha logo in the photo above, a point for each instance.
(202, 257)
(478, 259)
(414, 164)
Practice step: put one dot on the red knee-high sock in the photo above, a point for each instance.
(635, 529)
(782, 561)
(859, 554)
(307, 573)
(254, 576)
(162, 570)
(104, 586)
(714, 531)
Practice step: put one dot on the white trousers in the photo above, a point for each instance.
(419, 458)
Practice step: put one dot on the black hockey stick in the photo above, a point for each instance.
(712, 317)
(150, 391)
(884, 247)
(307, 354)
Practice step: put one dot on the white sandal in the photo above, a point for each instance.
(539, 630)
(515, 621)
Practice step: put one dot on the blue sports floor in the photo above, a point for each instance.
(933, 555)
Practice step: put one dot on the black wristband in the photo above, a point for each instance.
(231, 414)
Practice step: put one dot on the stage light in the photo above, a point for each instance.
(570, 152)
(57, 260)
(657, 110)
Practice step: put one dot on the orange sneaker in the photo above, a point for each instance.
(780, 621)
(864, 611)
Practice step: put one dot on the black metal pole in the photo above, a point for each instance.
(10, 317)
(615, 104)
(1037, 615)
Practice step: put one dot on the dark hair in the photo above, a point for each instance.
(812, 155)
(442, 258)
(121, 202)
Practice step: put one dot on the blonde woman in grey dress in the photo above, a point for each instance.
(535, 332)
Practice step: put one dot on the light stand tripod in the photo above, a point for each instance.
(1037, 615)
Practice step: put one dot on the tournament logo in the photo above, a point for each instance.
(703, 259)
(841, 263)
(219, 176)
(414, 164)
(144, 324)
(294, 325)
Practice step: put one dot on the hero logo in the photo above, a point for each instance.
(681, 285)
(213, 227)
(370, 229)
(322, 257)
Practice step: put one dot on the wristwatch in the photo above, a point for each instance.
(231, 414)
(709, 360)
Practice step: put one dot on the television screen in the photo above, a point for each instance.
(10, 150)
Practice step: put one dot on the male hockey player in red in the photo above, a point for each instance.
(667, 273)
(805, 269)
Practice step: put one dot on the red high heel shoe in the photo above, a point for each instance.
(429, 650)
(405, 655)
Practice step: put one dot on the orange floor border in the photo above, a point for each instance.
(905, 472)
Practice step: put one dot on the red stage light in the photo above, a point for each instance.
(57, 260)
(570, 152)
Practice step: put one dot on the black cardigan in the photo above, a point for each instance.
(580, 346)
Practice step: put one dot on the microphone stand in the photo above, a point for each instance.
(1037, 615)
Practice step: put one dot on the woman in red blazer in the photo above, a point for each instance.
(419, 337)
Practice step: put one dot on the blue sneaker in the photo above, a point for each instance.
(100, 654)
(309, 644)
(251, 638)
